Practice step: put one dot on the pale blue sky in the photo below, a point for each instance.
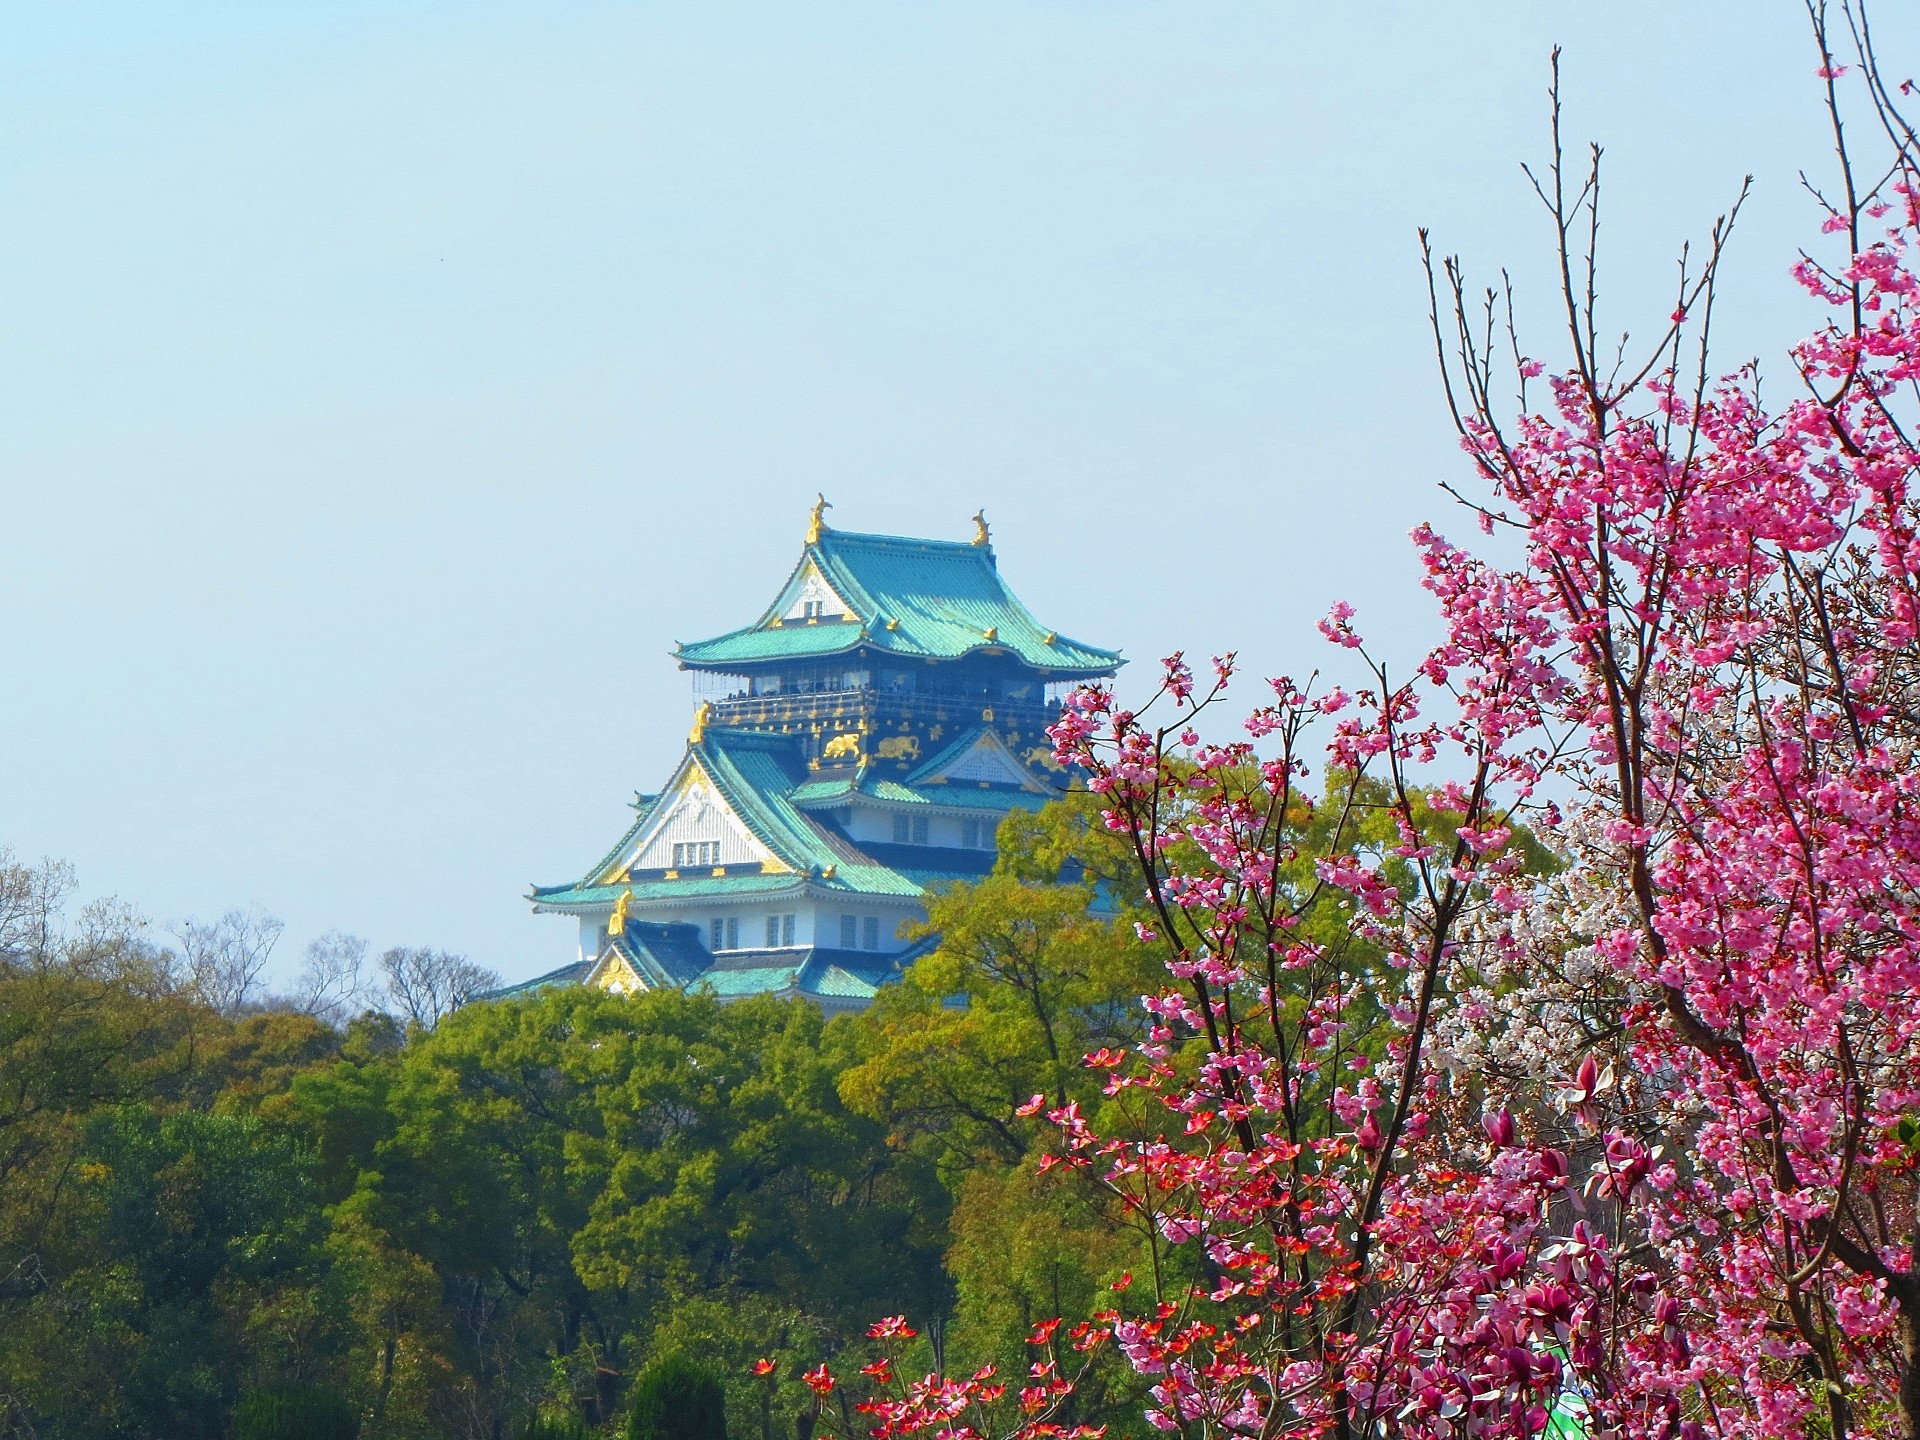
(385, 387)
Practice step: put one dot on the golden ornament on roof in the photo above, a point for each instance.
(981, 535)
(817, 522)
(617, 922)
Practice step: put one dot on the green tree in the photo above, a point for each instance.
(295, 1412)
(194, 1225)
(88, 1020)
(152, 1255)
(1024, 983)
(1036, 967)
(555, 1427)
(538, 1193)
(676, 1399)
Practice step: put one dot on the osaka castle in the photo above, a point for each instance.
(853, 749)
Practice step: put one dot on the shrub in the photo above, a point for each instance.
(295, 1412)
(556, 1427)
(675, 1399)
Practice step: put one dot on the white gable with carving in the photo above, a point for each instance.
(809, 596)
(694, 825)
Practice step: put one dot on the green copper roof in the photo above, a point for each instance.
(734, 981)
(561, 897)
(918, 599)
(571, 974)
(662, 954)
(827, 794)
(779, 642)
(842, 984)
(834, 974)
(760, 776)
(757, 773)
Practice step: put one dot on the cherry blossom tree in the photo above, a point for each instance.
(1731, 589)
(1456, 1141)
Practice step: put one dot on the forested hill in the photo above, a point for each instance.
(452, 1224)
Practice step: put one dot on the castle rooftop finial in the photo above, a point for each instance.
(817, 521)
(981, 535)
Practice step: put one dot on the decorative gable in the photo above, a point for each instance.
(694, 828)
(613, 973)
(808, 596)
(987, 760)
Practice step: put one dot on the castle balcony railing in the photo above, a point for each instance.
(877, 707)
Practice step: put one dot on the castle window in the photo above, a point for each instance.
(696, 852)
(779, 931)
(870, 932)
(786, 929)
(909, 829)
(724, 934)
(813, 609)
(976, 834)
(849, 932)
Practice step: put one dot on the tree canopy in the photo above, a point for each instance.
(456, 1228)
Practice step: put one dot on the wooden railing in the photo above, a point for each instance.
(913, 706)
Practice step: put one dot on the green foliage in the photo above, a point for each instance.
(1024, 983)
(676, 1399)
(540, 1189)
(185, 1210)
(1037, 966)
(247, 1061)
(556, 1427)
(453, 1232)
(295, 1412)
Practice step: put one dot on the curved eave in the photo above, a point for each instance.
(903, 891)
(771, 642)
(1089, 664)
(572, 899)
(903, 620)
(997, 802)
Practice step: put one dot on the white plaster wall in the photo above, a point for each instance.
(592, 929)
(868, 823)
(695, 815)
(816, 922)
(890, 915)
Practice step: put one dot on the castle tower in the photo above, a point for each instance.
(854, 748)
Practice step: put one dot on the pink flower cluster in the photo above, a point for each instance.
(1559, 1048)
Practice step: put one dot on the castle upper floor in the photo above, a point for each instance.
(895, 614)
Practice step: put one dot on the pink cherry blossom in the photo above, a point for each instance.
(1545, 1019)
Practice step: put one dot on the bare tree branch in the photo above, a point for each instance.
(222, 960)
(424, 986)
